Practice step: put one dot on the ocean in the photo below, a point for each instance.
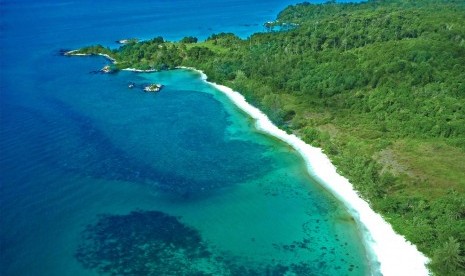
(100, 179)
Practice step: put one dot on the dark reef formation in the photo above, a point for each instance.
(141, 243)
(155, 243)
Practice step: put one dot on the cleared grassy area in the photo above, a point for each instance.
(434, 165)
(210, 45)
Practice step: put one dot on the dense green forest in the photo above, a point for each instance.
(380, 86)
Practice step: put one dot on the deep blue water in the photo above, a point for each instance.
(97, 178)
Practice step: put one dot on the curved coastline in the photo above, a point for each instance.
(389, 252)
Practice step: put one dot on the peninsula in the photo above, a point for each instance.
(377, 85)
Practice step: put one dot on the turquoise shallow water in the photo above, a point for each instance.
(98, 179)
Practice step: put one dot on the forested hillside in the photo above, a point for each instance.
(380, 86)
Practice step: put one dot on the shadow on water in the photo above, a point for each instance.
(96, 156)
(93, 154)
(154, 243)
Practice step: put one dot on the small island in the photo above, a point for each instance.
(153, 87)
(106, 69)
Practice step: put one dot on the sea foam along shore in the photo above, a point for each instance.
(139, 70)
(390, 253)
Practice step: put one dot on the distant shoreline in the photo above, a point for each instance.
(113, 61)
(73, 53)
(139, 70)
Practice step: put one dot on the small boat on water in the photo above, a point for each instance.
(131, 85)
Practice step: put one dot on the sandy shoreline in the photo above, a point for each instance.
(389, 252)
